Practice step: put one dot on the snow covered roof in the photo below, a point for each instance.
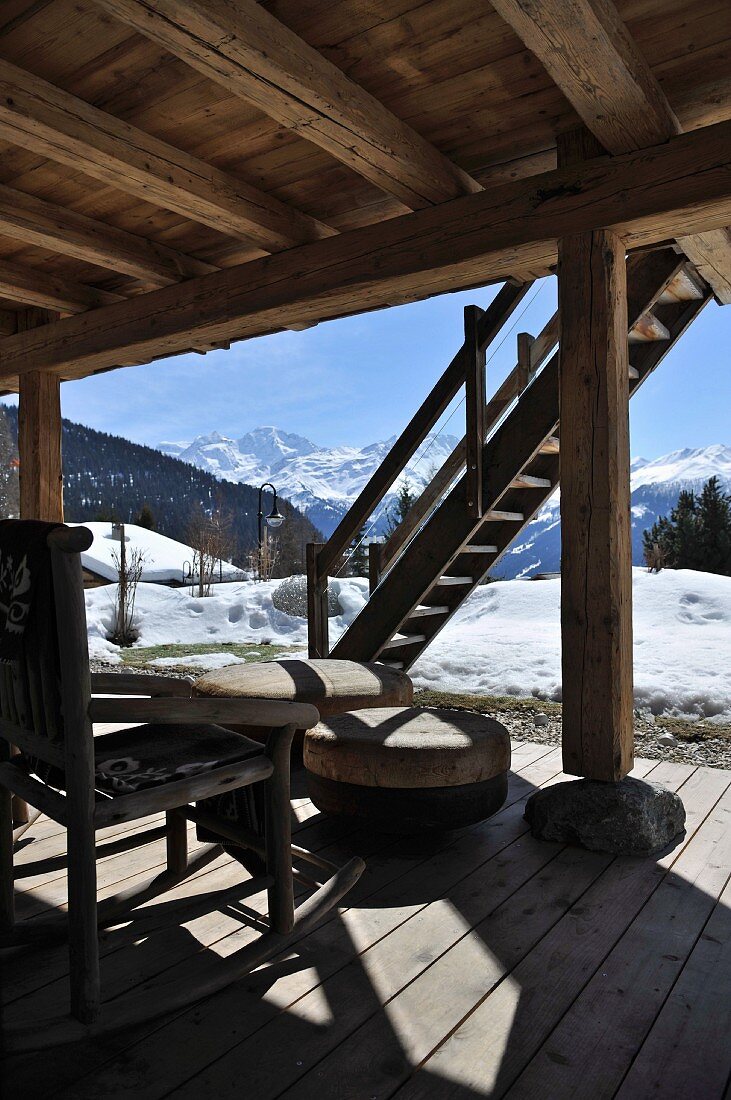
(164, 558)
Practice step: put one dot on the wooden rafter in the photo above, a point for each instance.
(589, 53)
(32, 287)
(38, 116)
(239, 44)
(32, 220)
(645, 197)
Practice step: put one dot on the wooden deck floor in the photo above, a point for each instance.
(489, 964)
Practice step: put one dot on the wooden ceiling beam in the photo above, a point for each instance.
(645, 197)
(240, 45)
(31, 287)
(49, 121)
(26, 218)
(591, 56)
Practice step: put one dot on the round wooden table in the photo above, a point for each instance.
(334, 687)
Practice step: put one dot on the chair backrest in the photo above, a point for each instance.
(46, 682)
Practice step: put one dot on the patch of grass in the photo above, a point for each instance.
(140, 657)
(485, 704)
(682, 728)
(693, 731)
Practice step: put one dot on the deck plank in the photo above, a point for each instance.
(687, 1053)
(426, 958)
(593, 1046)
(493, 1045)
(401, 869)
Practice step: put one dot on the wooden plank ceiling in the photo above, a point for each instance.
(145, 143)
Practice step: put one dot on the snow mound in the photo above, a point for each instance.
(506, 640)
(236, 612)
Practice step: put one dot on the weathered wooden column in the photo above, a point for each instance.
(39, 435)
(596, 555)
(39, 452)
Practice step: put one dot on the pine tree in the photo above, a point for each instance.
(697, 535)
(400, 509)
(685, 534)
(358, 557)
(714, 529)
(145, 518)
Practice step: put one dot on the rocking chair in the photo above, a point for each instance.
(179, 755)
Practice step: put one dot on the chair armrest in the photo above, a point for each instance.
(140, 683)
(231, 712)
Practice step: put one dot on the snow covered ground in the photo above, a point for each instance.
(505, 640)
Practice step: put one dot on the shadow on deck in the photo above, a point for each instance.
(484, 963)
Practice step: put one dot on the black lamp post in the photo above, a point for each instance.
(274, 519)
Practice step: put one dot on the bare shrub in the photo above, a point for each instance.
(211, 539)
(655, 557)
(129, 570)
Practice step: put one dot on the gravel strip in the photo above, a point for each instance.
(708, 752)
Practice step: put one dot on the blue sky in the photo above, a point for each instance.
(358, 380)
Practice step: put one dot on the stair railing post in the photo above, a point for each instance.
(475, 401)
(317, 625)
(525, 366)
(375, 564)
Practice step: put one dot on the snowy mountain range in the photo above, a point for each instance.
(321, 481)
(324, 481)
(655, 487)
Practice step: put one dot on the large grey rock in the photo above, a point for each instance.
(291, 597)
(632, 817)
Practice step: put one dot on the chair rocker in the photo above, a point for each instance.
(177, 753)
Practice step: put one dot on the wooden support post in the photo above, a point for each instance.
(39, 435)
(596, 556)
(475, 399)
(39, 451)
(317, 624)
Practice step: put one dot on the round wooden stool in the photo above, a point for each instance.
(407, 768)
(331, 686)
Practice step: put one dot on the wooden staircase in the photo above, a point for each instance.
(449, 542)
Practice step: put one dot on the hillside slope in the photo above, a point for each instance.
(106, 475)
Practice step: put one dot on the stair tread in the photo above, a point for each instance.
(648, 328)
(454, 580)
(496, 515)
(423, 612)
(473, 548)
(685, 287)
(551, 446)
(528, 481)
(405, 639)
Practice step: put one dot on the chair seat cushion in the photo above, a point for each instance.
(332, 686)
(146, 756)
(408, 747)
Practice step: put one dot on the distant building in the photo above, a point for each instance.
(165, 561)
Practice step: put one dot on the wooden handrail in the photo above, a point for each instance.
(506, 393)
(414, 434)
